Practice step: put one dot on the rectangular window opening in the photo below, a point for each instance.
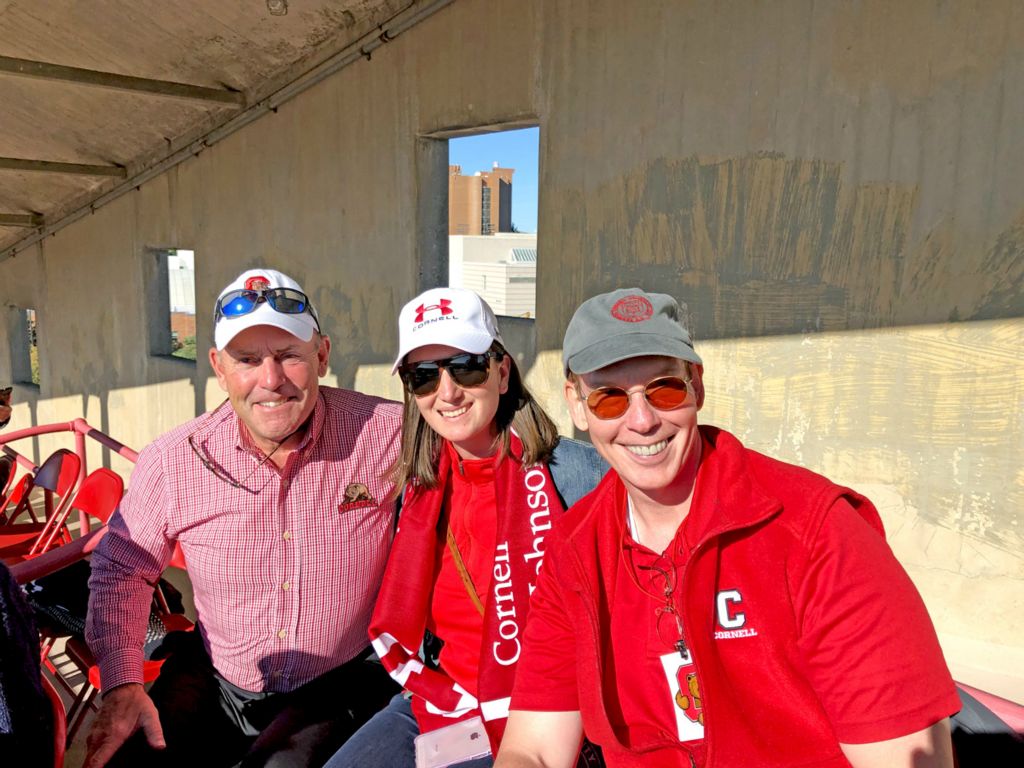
(171, 299)
(24, 345)
(492, 218)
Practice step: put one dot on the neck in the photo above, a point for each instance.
(481, 446)
(278, 453)
(657, 514)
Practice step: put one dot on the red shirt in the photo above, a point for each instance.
(804, 630)
(474, 520)
(652, 687)
(285, 571)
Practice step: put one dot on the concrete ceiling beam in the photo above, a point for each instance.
(90, 77)
(20, 220)
(49, 166)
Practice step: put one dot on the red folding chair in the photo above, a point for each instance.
(7, 473)
(60, 725)
(58, 478)
(16, 500)
(98, 497)
(80, 655)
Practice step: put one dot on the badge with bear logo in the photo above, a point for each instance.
(681, 675)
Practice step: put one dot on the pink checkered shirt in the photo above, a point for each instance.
(285, 577)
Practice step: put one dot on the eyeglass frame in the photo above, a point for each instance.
(443, 365)
(219, 472)
(687, 381)
(669, 608)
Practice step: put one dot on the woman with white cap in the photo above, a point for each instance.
(476, 462)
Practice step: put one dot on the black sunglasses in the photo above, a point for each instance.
(466, 369)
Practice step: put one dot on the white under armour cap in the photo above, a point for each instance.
(294, 314)
(454, 317)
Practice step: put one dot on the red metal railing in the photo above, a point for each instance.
(81, 429)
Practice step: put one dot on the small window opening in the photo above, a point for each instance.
(24, 346)
(172, 302)
(492, 218)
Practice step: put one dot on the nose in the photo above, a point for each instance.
(271, 373)
(447, 389)
(640, 416)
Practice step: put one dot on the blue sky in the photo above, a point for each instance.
(511, 149)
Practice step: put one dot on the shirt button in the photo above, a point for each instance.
(282, 634)
(286, 586)
(287, 535)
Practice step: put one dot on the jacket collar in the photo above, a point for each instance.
(726, 497)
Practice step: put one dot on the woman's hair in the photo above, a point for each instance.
(517, 410)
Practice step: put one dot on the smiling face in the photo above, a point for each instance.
(271, 378)
(648, 448)
(464, 417)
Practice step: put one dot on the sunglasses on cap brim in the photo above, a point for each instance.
(287, 301)
(466, 369)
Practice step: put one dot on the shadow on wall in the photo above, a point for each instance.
(764, 245)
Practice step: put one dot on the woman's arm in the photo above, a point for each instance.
(541, 740)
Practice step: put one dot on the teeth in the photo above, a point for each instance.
(648, 450)
(457, 412)
(272, 404)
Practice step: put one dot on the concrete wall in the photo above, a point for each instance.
(833, 188)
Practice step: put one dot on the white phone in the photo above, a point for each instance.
(455, 743)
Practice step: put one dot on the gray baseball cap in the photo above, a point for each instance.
(622, 324)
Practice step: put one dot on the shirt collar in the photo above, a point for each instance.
(245, 442)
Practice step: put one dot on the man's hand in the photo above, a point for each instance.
(125, 709)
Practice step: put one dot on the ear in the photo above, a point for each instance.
(697, 381)
(323, 356)
(577, 407)
(503, 373)
(218, 369)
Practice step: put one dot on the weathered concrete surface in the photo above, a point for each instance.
(833, 188)
(220, 44)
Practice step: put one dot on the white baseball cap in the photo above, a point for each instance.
(228, 324)
(454, 317)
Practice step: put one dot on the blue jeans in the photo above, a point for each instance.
(386, 741)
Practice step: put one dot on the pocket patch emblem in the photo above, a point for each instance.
(357, 496)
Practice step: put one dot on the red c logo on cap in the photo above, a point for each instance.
(633, 309)
(257, 283)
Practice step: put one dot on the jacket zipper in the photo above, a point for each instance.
(595, 629)
(693, 658)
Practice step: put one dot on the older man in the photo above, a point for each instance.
(707, 605)
(279, 501)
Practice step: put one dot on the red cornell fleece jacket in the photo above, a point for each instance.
(837, 645)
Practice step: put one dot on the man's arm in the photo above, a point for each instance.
(928, 748)
(125, 567)
(541, 740)
(871, 649)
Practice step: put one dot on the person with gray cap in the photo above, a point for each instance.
(707, 605)
(279, 501)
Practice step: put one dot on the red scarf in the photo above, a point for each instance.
(527, 505)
